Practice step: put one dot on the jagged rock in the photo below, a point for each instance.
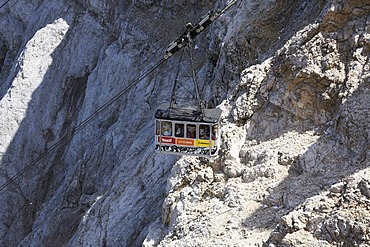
(249, 101)
(292, 80)
(206, 175)
(337, 188)
(338, 229)
(232, 168)
(364, 187)
(155, 234)
(249, 175)
(285, 160)
(220, 177)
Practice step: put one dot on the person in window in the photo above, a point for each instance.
(179, 130)
(166, 129)
(201, 133)
(214, 132)
(167, 132)
(190, 132)
(204, 132)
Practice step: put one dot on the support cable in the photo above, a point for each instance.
(173, 95)
(7, 1)
(194, 76)
(71, 133)
(1, 6)
(174, 47)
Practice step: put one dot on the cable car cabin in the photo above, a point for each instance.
(187, 131)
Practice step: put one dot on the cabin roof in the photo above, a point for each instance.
(188, 113)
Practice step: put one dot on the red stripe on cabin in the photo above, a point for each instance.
(167, 140)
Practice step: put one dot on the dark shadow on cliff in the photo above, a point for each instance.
(331, 158)
(52, 112)
(48, 201)
(24, 200)
(29, 192)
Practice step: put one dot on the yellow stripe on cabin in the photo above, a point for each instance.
(204, 143)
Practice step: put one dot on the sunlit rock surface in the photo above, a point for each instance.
(292, 79)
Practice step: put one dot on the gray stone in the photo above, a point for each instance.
(279, 70)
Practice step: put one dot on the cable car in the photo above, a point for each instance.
(187, 131)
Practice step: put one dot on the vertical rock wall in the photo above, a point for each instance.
(291, 77)
(295, 157)
(105, 185)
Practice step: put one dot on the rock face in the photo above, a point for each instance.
(292, 79)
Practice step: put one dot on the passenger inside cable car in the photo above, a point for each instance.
(186, 132)
(167, 128)
(190, 131)
(204, 132)
(214, 132)
(179, 128)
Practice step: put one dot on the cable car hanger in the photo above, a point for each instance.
(192, 73)
(186, 41)
(191, 31)
(183, 129)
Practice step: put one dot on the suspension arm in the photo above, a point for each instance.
(191, 31)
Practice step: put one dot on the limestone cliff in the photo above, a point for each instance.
(292, 79)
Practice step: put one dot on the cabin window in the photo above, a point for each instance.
(179, 130)
(204, 131)
(215, 132)
(191, 131)
(166, 128)
(157, 127)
